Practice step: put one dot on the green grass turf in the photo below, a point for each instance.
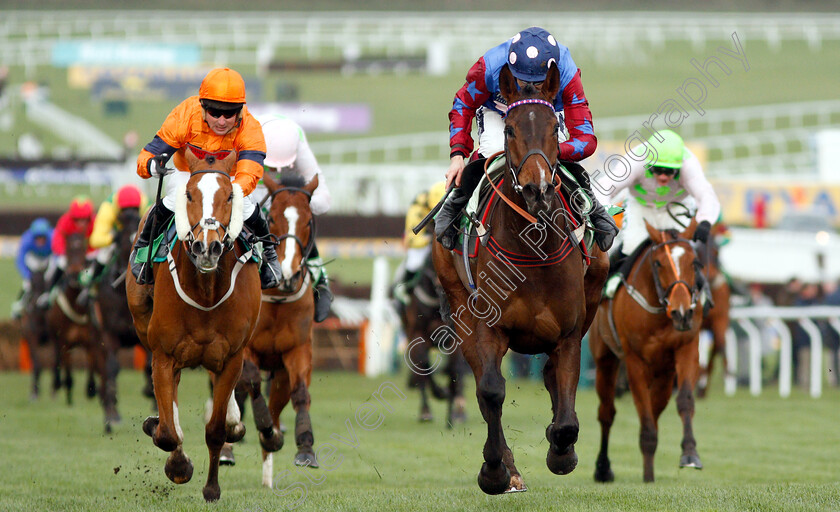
(759, 454)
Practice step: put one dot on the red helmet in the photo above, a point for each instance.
(128, 196)
(222, 88)
(81, 208)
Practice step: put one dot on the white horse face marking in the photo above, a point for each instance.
(676, 254)
(292, 216)
(208, 185)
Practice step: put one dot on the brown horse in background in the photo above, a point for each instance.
(68, 323)
(653, 324)
(113, 327)
(541, 307)
(717, 319)
(421, 319)
(201, 310)
(282, 341)
(33, 320)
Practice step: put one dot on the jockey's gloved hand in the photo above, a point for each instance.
(157, 165)
(701, 234)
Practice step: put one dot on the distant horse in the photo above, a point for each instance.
(68, 323)
(530, 304)
(717, 319)
(420, 319)
(33, 322)
(113, 326)
(201, 311)
(653, 324)
(282, 340)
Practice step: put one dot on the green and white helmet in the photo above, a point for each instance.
(670, 152)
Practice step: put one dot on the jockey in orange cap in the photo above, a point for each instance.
(77, 219)
(216, 121)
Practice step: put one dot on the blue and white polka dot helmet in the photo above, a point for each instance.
(531, 53)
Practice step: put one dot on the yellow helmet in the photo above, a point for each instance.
(222, 88)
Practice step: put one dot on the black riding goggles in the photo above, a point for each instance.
(666, 171)
(227, 114)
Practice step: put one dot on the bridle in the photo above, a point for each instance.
(305, 250)
(515, 169)
(209, 223)
(663, 293)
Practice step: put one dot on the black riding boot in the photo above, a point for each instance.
(156, 219)
(704, 285)
(605, 228)
(270, 269)
(616, 260)
(446, 231)
(323, 295)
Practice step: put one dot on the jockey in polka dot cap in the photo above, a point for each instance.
(529, 55)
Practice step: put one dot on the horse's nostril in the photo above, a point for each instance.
(216, 248)
(197, 247)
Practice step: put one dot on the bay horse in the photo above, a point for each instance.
(113, 327)
(421, 318)
(542, 306)
(716, 320)
(653, 324)
(201, 310)
(68, 323)
(33, 320)
(282, 341)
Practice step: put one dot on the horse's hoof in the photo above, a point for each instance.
(426, 417)
(149, 425)
(226, 455)
(178, 467)
(690, 461)
(459, 416)
(517, 484)
(212, 493)
(108, 428)
(561, 464)
(235, 433)
(494, 481)
(603, 474)
(282, 427)
(272, 443)
(306, 459)
(91, 392)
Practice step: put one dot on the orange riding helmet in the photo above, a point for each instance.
(223, 89)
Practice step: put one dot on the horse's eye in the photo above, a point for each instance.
(508, 131)
(230, 197)
(189, 196)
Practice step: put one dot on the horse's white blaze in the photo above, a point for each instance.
(676, 254)
(208, 185)
(267, 470)
(291, 215)
(232, 417)
(178, 430)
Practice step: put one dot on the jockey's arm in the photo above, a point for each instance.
(578, 120)
(307, 166)
(250, 149)
(698, 187)
(103, 226)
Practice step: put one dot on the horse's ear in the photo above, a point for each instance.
(229, 162)
(688, 234)
(312, 185)
(654, 234)
(507, 84)
(270, 183)
(551, 86)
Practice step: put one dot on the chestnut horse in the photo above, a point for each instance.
(653, 324)
(33, 320)
(717, 319)
(201, 311)
(68, 323)
(421, 319)
(113, 327)
(282, 340)
(544, 306)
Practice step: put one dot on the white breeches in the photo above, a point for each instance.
(633, 231)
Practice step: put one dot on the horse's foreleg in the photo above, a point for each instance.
(494, 477)
(686, 373)
(217, 429)
(606, 372)
(457, 403)
(298, 361)
(95, 365)
(648, 434)
(109, 382)
(279, 396)
(561, 378)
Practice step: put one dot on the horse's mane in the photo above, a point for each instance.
(290, 179)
